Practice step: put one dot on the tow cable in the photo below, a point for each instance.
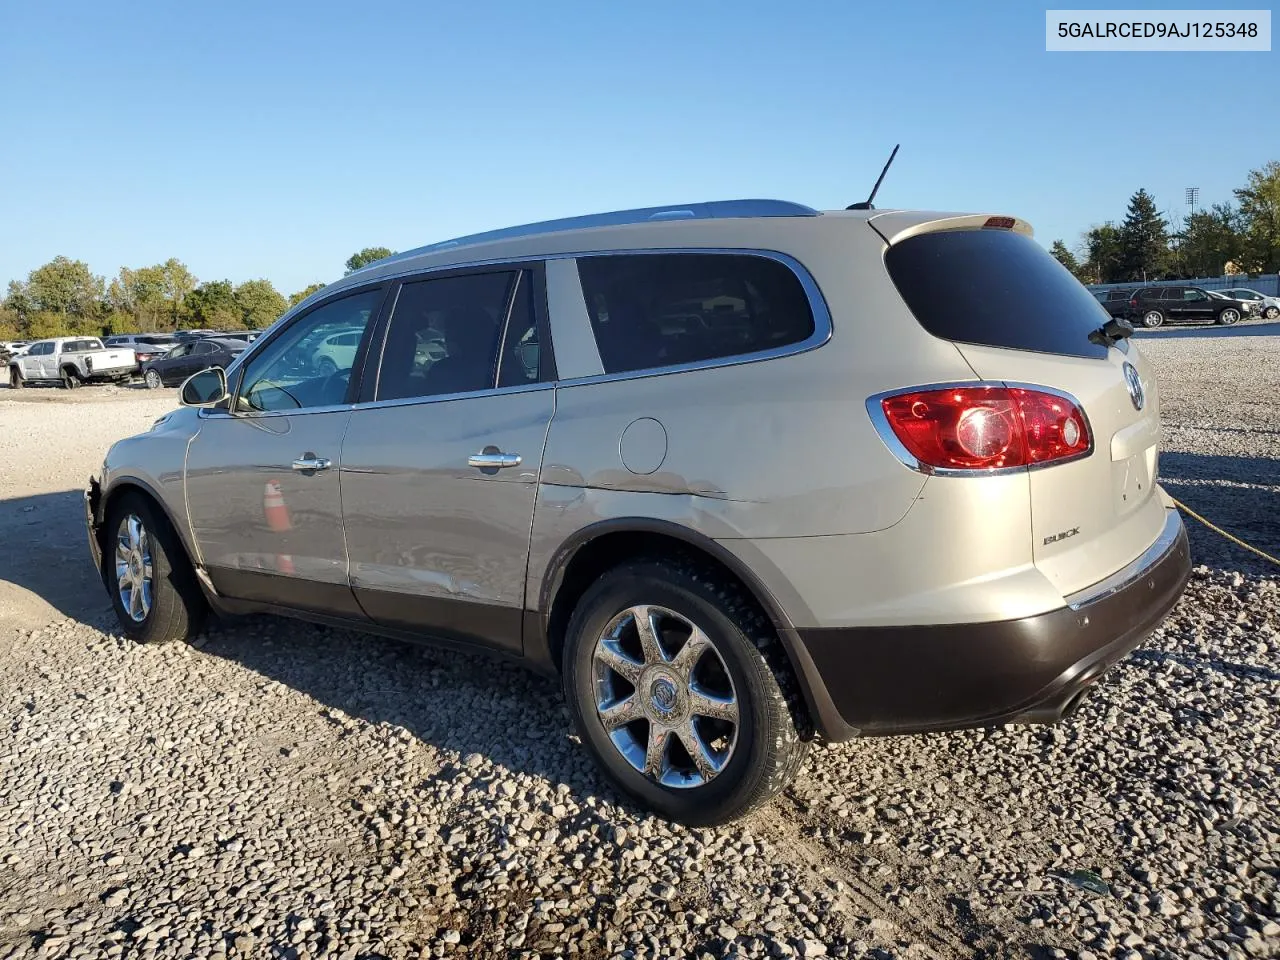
(1218, 530)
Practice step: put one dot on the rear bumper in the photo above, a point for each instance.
(886, 680)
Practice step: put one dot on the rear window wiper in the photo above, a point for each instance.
(1112, 331)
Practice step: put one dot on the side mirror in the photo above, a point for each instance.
(205, 388)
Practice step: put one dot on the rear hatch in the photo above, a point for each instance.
(1017, 316)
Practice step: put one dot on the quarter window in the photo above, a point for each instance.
(660, 310)
(445, 335)
(297, 370)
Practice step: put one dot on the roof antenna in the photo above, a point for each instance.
(866, 204)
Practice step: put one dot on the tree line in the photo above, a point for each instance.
(1241, 237)
(65, 298)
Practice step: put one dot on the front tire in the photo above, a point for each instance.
(152, 379)
(1152, 319)
(153, 588)
(667, 675)
(1228, 316)
(325, 367)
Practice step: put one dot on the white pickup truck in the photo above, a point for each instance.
(71, 361)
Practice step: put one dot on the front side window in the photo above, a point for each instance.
(662, 310)
(298, 369)
(444, 336)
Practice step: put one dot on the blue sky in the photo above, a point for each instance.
(273, 139)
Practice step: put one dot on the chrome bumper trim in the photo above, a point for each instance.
(1133, 570)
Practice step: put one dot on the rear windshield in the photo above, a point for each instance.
(995, 288)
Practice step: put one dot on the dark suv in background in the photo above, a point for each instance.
(1116, 302)
(1154, 306)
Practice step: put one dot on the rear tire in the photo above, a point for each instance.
(1228, 316)
(1271, 313)
(70, 379)
(742, 762)
(1152, 319)
(160, 607)
(15, 378)
(152, 379)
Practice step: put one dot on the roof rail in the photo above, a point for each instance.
(709, 210)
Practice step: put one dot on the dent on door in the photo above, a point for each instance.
(438, 499)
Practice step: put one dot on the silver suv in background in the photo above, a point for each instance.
(741, 474)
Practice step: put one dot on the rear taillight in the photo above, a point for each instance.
(1134, 303)
(987, 427)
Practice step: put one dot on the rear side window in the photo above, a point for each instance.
(995, 288)
(444, 336)
(660, 310)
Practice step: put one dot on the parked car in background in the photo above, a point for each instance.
(71, 361)
(192, 334)
(336, 352)
(248, 336)
(741, 473)
(1154, 306)
(1116, 302)
(146, 346)
(184, 359)
(1263, 305)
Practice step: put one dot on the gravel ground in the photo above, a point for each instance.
(285, 790)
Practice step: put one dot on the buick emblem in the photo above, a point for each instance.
(1134, 383)
(663, 694)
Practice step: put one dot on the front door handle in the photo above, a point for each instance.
(493, 460)
(309, 462)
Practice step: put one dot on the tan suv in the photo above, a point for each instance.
(742, 473)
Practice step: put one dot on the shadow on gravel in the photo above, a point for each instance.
(1243, 670)
(46, 552)
(1270, 328)
(468, 703)
(1238, 494)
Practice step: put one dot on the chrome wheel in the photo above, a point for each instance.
(1228, 316)
(133, 568)
(665, 697)
(1153, 318)
(153, 380)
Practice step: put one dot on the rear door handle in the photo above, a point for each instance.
(491, 460)
(310, 462)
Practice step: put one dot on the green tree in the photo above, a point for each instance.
(1210, 240)
(1144, 239)
(10, 324)
(1068, 259)
(153, 295)
(213, 306)
(50, 323)
(118, 321)
(1103, 254)
(366, 256)
(62, 286)
(17, 299)
(260, 303)
(1260, 213)
(297, 298)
